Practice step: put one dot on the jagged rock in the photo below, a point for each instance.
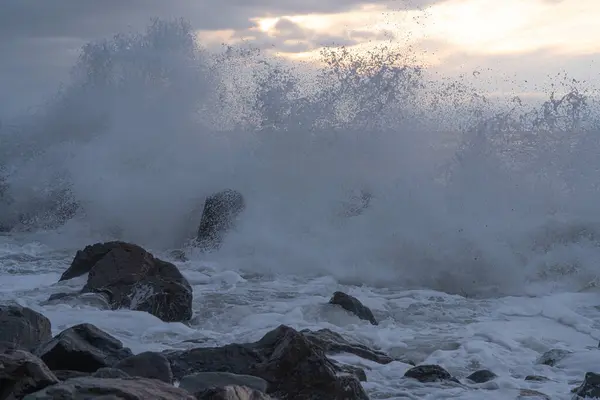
(231, 393)
(218, 217)
(333, 343)
(552, 357)
(590, 388)
(536, 378)
(89, 388)
(110, 373)
(133, 278)
(285, 358)
(429, 373)
(531, 394)
(22, 328)
(206, 380)
(482, 376)
(22, 373)
(64, 374)
(147, 365)
(353, 305)
(82, 348)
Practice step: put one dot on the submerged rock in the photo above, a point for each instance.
(429, 373)
(22, 373)
(89, 388)
(531, 395)
(353, 305)
(552, 357)
(22, 328)
(590, 388)
(219, 216)
(482, 376)
(97, 300)
(133, 278)
(206, 380)
(82, 348)
(147, 365)
(333, 343)
(291, 364)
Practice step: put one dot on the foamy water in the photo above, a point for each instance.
(479, 246)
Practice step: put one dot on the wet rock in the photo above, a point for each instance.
(147, 365)
(429, 373)
(536, 378)
(133, 278)
(110, 373)
(590, 388)
(220, 213)
(358, 372)
(531, 394)
(64, 374)
(285, 358)
(482, 376)
(22, 328)
(22, 373)
(333, 343)
(89, 388)
(82, 348)
(552, 357)
(231, 393)
(206, 380)
(97, 300)
(353, 305)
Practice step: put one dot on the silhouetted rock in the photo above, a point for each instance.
(219, 215)
(22, 328)
(429, 373)
(22, 373)
(147, 365)
(231, 393)
(90, 388)
(205, 380)
(553, 356)
(82, 348)
(590, 388)
(352, 304)
(291, 364)
(133, 278)
(482, 376)
(333, 343)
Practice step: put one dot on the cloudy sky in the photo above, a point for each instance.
(506, 41)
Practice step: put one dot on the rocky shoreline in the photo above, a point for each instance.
(84, 362)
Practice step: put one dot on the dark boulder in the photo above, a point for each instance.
(206, 380)
(220, 213)
(133, 278)
(22, 328)
(291, 364)
(22, 373)
(231, 393)
(147, 365)
(482, 376)
(332, 342)
(82, 348)
(590, 388)
(353, 305)
(90, 388)
(429, 373)
(536, 378)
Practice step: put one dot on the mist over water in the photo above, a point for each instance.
(468, 195)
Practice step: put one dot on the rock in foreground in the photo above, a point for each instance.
(590, 388)
(232, 393)
(22, 328)
(22, 373)
(133, 278)
(219, 216)
(98, 388)
(353, 305)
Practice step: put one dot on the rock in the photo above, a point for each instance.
(531, 394)
(206, 380)
(22, 373)
(82, 348)
(64, 374)
(97, 300)
(133, 278)
(590, 388)
(353, 305)
(22, 328)
(333, 343)
(552, 357)
(536, 378)
(429, 373)
(482, 376)
(89, 388)
(291, 364)
(147, 365)
(110, 373)
(358, 372)
(218, 217)
(231, 393)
